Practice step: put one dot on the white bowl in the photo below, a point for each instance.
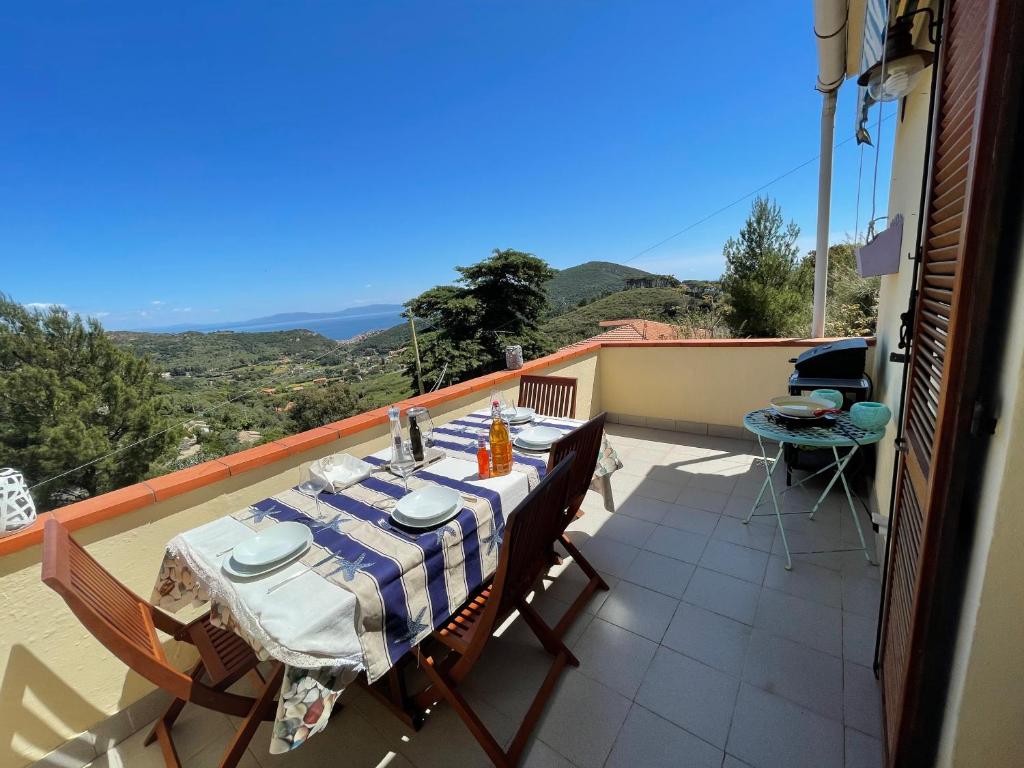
(799, 407)
(341, 470)
(538, 437)
(519, 415)
(427, 506)
(272, 544)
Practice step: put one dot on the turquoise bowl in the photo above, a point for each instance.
(871, 417)
(833, 396)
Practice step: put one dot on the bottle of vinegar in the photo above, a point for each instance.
(501, 444)
(483, 459)
(416, 438)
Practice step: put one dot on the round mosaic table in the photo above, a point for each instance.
(842, 433)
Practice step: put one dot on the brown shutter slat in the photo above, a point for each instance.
(948, 217)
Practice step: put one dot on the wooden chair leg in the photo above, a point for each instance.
(393, 693)
(162, 733)
(533, 714)
(551, 642)
(255, 678)
(594, 583)
(257, 714)
(469, 717)
(166, 720)
(582, 562)
(171, 713)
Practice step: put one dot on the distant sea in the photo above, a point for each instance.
(334, 328)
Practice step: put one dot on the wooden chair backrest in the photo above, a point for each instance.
(530, 531)
(585, 442)
(549, 395)
(122, 621)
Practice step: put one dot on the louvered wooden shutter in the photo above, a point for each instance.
(954, 282)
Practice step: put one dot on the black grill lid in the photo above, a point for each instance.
(844, 359)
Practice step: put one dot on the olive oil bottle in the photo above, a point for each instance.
(501, 444)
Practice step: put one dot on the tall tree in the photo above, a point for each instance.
(851, 300)
(496, 302)
(67, 396)
(760, 280)
(321, 405)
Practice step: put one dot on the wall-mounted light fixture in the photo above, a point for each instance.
(893, 77)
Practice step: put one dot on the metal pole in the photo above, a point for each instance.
(416, 351)
(828, 126)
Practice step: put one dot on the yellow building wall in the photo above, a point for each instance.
(56, 681)
(905, 199)
(985, 706)
(715, 385)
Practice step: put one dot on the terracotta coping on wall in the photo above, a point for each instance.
(133, 497)
(747, 343)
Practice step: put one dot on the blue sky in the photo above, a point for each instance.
(164, 164)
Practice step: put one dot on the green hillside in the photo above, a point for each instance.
(601, 283)
(395, 337)
(194, 352)
(588, 281)
(661, 304)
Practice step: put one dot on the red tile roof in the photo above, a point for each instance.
(633, 329)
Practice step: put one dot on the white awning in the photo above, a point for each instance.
(876, 19)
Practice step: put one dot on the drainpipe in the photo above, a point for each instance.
(828, 127)
(830, 30)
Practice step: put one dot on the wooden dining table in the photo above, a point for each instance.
(367, 591)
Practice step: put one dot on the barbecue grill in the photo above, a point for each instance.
(837, 365)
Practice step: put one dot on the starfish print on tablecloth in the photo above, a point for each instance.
(259, 515)
(349, 568)
(439, 533)
(493, 540)
(413, 628)
(334, 524)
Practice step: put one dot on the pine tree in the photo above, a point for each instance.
(760, 281)
(68, 396)
(321, 405)
(497, 302)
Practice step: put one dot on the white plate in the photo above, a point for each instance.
(427, 506)
(272, 544)
(530, 448)
(238, 571)
(519, 415)
(538, 438)
(799, 407)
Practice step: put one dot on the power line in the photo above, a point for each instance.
(739, 200)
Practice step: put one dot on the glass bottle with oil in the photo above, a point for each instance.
(501, 444)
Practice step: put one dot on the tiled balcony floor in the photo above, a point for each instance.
(705, 652)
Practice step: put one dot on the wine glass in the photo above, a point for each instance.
(313, 485)
(427, 426)
(403, 464)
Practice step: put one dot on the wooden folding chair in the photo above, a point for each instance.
(127, 625)
(529, 533)
(548, 395)
(585, 443)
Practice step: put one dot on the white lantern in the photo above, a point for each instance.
(17, 509)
